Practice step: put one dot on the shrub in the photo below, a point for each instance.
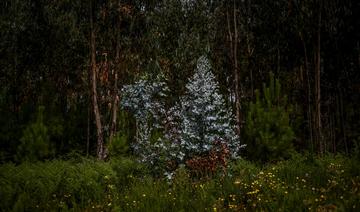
(56, 185)
(303, 183)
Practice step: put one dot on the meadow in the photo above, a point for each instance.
(302, 183)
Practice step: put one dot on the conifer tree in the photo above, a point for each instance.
(35, 142)
(267, 131)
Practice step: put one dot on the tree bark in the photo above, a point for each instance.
(115, 94)
(318, 85)
(100, 139)
(342, 120)
(234, 48)
(250, 51)
(307, 89)
(88, 132)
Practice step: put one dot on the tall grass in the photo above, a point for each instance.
(300, 184)
(54, 185)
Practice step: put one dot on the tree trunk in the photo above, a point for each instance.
(318, 85)
(342, 120)
(307, 89)
(115, 94)
(250, 51)
(234, 47)
(88, 132)
(100, 139)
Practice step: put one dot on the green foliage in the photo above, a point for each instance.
(53, 186)
(300, 184)
(127, 171)
(243, 168)
(119, 145)
(268, 133)
(35, 142)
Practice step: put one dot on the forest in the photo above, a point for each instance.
(179, 105)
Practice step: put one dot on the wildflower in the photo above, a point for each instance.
(144, 195)
(253, 192)
(237, 182)
(232, 206)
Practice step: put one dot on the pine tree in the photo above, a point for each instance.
(35, 142)
(267, 131)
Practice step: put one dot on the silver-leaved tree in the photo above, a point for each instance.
(205, 119)
(145, 99)
(192, 127)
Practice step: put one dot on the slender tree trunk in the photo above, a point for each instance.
(115, 94)
(100, 139)
(88, 132)
(342, 121)
(333, 129)
(307, 89)
(250, 51)
(234, 48)
(318, 85)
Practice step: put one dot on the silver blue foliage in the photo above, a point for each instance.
(189, 128)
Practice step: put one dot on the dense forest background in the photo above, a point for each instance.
(179, 105)
(63, 64)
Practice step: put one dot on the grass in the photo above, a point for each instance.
(329, 183)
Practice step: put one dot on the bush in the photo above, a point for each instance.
(303, 183)
(127, 171)
(55, 185)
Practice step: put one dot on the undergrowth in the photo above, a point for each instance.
(303, 183)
